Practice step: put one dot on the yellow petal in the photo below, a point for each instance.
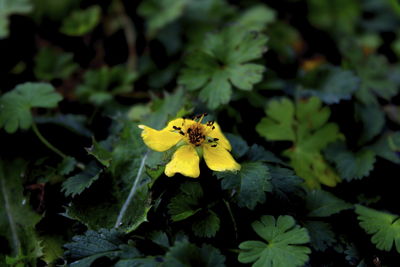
(222, 140)
(184, 161)
(159, 140)
(219, 159)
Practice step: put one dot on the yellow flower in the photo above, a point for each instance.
(192, 139)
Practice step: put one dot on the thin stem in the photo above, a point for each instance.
(13, 227)
(232, 218)
(131, 193)
(45, 142)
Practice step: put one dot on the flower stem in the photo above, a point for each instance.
(131, 193)
(45, 142)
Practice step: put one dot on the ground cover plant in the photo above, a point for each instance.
(199, 133)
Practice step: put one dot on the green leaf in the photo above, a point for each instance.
(11, 7)
(278, 125)
(52, 248)
(330, 84)
(384, 227)
(258, 153)
(71, 122)
(388, 147)
(222, 62)
(15, 105)
(186, 203)
(51, 64)
(66, 166)
(239, 145)
(160, 13)
(373, 120)
(257, 17)
(374, 72)
(100, 85)
(100, 153)
(337, 16)
(127, 153)
(81, 22)
(17, 219)
(283, 248)
(76, 184)
(284, 182)
(305, 125)
(350, 165)
(184, 254)
(252, 182)
(321, 235)
(320, 203)
(85, 249)
(208, 226)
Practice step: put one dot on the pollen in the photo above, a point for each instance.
(196, 134)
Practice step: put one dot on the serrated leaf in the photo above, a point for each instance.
(8, 8)
(66, 166)
(17, 219)
(207, 226)
(321, 235)
(257, 17)
(82, 21)
(384, 227)
(85, 249)
(350, 165)
(320, 203)
(305, 125)
(51, 64)
(239, 145)
(52, 248)
(15, 105)
(283, 248)
(331, 84)
(259, 153)
(284, 182)
(76, 184)
(252, 182)
(388, 147)
(186, 203)
(100, 85)
(100, 153)
(373, 119)
(221, 62)
(160, 13)
(127, 153)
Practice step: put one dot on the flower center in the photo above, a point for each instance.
(196, 133)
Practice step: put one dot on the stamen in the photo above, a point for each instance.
(214, 145)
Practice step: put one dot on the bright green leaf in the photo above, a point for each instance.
(81, 22)
(306, 126)
(283, 248)
(384, 227)
(15, 105)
